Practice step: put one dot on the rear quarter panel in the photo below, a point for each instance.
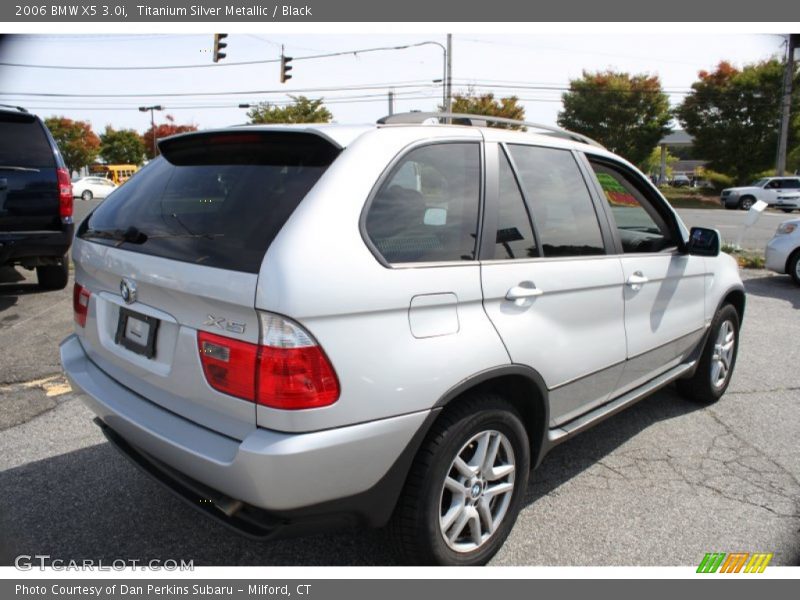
(320, 272)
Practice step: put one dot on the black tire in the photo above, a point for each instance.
(87, 195)
(787, 210)
(747, 202)
(793, 266)
(416, 528)
(728, 206)
(707, 385)
(53, 277)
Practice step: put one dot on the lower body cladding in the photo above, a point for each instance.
(268, 484)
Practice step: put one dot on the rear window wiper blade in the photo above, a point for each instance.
(131, 235)
(15, 168)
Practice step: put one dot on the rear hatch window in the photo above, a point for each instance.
(29, 198)
(215, 199)
(23, 143)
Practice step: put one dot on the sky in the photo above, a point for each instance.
(534, 66)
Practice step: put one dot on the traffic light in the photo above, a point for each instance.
(219, 45)
(285, 68)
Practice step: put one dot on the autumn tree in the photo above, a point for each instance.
(734, 114)
(121, 146)
(302, 110)
(163, 130)
(626, 113)
(79, 145)
(486, 104)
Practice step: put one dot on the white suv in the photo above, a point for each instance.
(302, 326)
(777, 192)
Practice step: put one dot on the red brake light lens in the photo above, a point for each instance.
(296, 378)
(64, 194)
(80, 303)
(288, 371)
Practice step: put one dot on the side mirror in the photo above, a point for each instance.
(703, 242)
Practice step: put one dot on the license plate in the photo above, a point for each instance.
(137, 332)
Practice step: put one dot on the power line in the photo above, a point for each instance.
(185, 94)
(215, 65)
(411, 94)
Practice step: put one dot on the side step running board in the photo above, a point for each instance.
(593, 417)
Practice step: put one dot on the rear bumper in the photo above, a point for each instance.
(354, 473)
(16, 246)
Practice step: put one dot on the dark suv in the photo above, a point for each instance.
(35, 199)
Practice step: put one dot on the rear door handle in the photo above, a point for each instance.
(523, 291)
(636, 280)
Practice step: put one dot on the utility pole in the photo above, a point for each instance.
(152, 123)
(391, 102)
(793, 42)
(448, 76)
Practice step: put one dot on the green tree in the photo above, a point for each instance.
(121, 146)
(652, 164)
(303, 110)
(734, 115)
(79, 145)
(163, 130)
(626, 113)
(486, 104)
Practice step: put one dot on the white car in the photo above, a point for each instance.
(87, 188)
(777, 192)
(783, 250)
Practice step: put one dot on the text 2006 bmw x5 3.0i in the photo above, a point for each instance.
(305, 326)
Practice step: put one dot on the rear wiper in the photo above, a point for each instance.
(131, 235)
(13, 168)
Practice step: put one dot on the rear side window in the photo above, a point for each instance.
(213, 199)
(23, 143)
(514, 231)
(562, 207)
(427, 209)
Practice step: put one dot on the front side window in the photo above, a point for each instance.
(427, 209)
(640, 227)
(559, 200)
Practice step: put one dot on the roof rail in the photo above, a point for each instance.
(419, 117)
(19, 108)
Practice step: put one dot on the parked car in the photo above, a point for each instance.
(783, 250)
(301, 326)
(87, 188)
(35, 199)
(681, 181)
(777, 192)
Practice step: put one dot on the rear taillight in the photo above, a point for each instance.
(80, 303)
(287, 370)
(64, 195)
(229, 365)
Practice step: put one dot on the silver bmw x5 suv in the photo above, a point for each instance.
(298, 327)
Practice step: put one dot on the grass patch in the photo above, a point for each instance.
(747, 259)
(683, 197)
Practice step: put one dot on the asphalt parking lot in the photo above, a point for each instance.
(660, 484)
